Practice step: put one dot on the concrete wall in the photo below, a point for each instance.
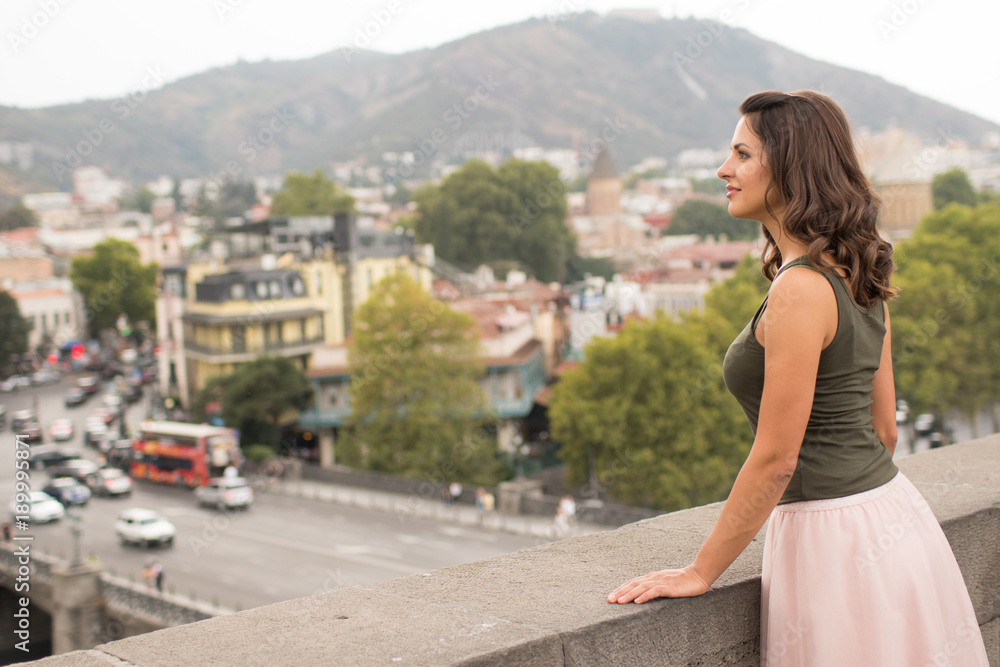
(547, 605)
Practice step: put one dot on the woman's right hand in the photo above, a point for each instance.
(683, 583)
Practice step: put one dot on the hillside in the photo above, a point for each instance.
(549, 82)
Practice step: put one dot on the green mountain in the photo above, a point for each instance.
(653, 88)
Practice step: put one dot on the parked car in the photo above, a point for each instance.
(19, 418)
(105, 415)
(112, 402)
(75, 397)
(15, 383)
(42, 508)
(89, 384)
(225, 493)
(109, 482)
(46, 376)
(925, 424)
(61, 429)
(67, 491)
(46, 456)
(144, 526)
(78, 469)
(94, 432)
(32, 432)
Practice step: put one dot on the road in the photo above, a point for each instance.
(281, 548)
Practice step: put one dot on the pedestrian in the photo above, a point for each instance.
(813, 373)
(158, 575)
(566, 515)
(6, 531)
(446, 495)
(455, 489)
(148, 576)
(480, 504)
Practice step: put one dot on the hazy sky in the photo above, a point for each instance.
(57, 51)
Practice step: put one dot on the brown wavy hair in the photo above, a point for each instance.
(829, 203)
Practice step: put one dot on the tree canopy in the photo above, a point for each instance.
(17, 216)
(232, 200)
(417, 408)
(517, 212)
(140, 200)
(946, 322)
(952, 186)
(257, 398)
(705, 218)
(112, 281)
(305, 194)
(646, 417)
(14, 329)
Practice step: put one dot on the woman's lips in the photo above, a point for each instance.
(731, 191)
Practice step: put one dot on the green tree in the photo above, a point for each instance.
(304, 194)
(232, 200)
(646, 416)
(952, 186)
(140, 200)
(17, 216)
(112, 281)
(705, 218)
(515, 213)
(258, 398)
(946, 322)
(13, 329)
(417, 407)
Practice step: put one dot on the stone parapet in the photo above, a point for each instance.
(547, 605)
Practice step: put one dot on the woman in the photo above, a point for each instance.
(854, 561)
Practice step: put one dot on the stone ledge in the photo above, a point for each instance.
(547, 605)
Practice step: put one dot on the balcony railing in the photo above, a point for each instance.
(245, 348)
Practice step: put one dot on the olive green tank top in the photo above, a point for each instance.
(840, 454)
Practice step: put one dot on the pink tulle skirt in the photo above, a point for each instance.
(867, 579)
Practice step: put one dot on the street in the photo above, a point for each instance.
(281, 548)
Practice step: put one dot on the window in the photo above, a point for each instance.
(319, 283)
(237, 292)
(43, 323)
(298, 288)
(275, 289)
(66, 317)
(261, 290)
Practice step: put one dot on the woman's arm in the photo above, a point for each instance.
(884, 393)
(800, 320)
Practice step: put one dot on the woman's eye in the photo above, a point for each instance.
(743, 156)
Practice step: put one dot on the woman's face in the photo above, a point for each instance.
(746, 176)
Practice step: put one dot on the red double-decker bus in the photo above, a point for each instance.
(180, 453)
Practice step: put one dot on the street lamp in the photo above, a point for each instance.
(518, 456)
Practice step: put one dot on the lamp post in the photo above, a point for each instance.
(518, 456)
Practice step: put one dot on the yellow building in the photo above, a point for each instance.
(213, 317)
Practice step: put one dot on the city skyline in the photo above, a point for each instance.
(57, 52)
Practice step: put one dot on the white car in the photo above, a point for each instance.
(61, 429)
(142, 526)
(225, 493)
(15, 383)
(42, 508)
